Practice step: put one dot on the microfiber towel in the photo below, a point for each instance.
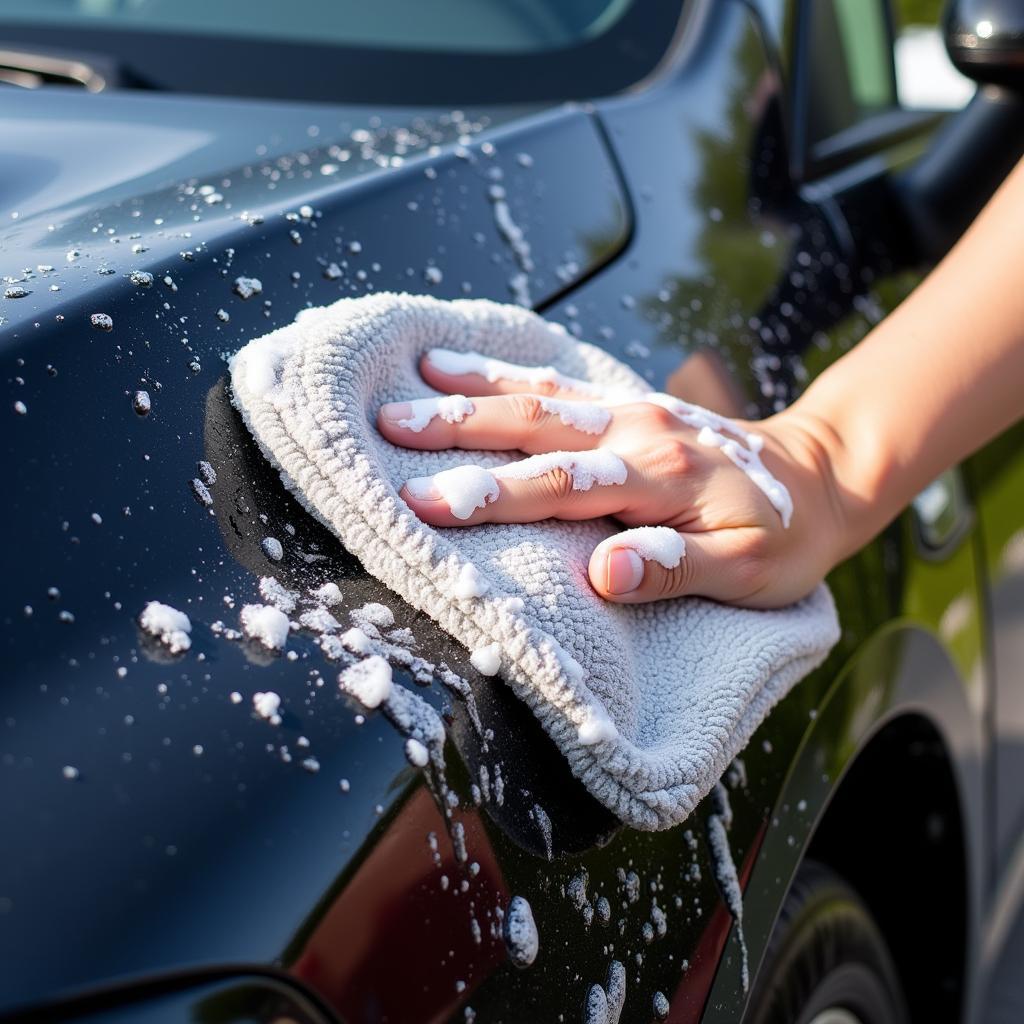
(685, 682)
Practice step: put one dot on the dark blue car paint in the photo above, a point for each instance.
(644, 238)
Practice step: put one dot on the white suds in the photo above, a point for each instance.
(724, 868)
(265, 623)
(471, 583)
(615, 985)
(416, 720)
(659, 544)
(742, 448)
(599, 466)
(660, 1005)
(373, 613)
(267, 705)
(168, 625)
(247, 287)
(319, 620)
(451, 408)
(329, 595)
(596, 726)
(272, 548)
(458, 364)
(510, 230)
(369, 681)
(520, 932)
(356, 641)
(595, 1009)
(264, 359)
(278, 595)
(465, 488)
(583, 416)
(416, 753)
(543, 822)
(487, 660)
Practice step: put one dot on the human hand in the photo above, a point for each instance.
(760, 520)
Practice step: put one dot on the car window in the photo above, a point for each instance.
(925, 76)
(468, 26)
(850, 62)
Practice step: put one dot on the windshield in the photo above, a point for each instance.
(390, 52)
(478, 26)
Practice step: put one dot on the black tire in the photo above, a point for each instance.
(826, 953)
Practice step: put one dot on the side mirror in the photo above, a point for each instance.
(985, 40)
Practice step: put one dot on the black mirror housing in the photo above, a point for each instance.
(985, 40)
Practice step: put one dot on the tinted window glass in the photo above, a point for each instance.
(851, 65)
(475, 26)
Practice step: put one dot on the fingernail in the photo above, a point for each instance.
(393, 412)
(625, 571)
(422, 488)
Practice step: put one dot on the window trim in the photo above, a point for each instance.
(879, 131)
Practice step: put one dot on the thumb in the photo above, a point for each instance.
(657, 562)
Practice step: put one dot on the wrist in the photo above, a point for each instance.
(835, 487)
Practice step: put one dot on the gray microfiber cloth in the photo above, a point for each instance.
(685, 681)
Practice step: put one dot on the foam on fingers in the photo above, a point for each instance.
(461, 364)
(464, 488)
(417, 414)
(659, 544)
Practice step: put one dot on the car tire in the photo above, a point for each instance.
(826, 961)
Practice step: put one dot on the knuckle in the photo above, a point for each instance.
(672, 582)
(751, 573)
(658, 416)
(555, 487)
(529, 410)
(547, 388)
(671, 457)
(751, 564)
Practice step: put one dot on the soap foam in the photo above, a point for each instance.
(416, 753)
(740, 446)
(168, 625)
(582, 416)
(265, 623)
(487, 660)
(596, 726)
(451, 408)
(329, 594)
(471, 583)
(369, 681)
(457, 364)
(267, 705)
(586, 468)
(465, 488)
(520, 932)
(659, 544)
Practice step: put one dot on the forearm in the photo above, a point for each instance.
(933, 382)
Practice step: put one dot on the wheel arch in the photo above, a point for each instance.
(898, 710)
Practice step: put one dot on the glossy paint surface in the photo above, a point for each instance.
(663, 227)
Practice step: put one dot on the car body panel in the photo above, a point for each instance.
(663, 227)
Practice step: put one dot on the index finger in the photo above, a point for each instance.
(470, 373)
